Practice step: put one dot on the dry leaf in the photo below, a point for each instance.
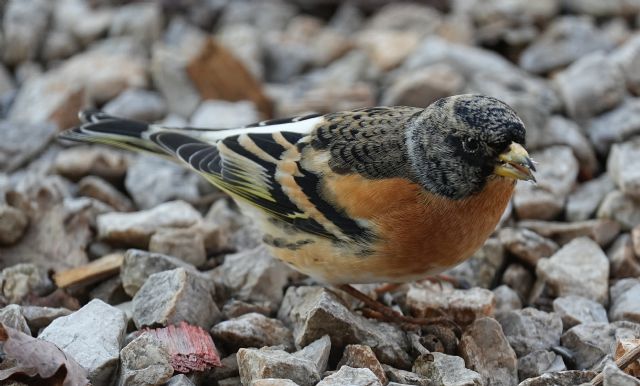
(36, 357)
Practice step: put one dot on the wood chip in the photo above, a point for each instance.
(90, 273)
(191, 347)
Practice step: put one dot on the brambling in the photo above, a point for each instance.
(382, 194)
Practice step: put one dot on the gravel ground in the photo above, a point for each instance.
(97, 245)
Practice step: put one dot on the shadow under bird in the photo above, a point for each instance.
(382, 194)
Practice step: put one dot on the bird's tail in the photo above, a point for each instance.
(98, 127)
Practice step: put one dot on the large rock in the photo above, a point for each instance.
(24, 25)
(562, 378)
(142, 21)
(93, 336)
(152, 180)
(252, 330)
(57, 95)
(351, 376)
(530, 329)
(98, 188)
(601, 231)
(526, 244)
(576, 310)
(360, 356)
(145, 361)
(584, 201)
(80, 161)
(137, 104)
(314, 312)
(564, 41)
(590, 342)
(591, 85)
(624, 261)
(621, 208)
(138, 265)
(623, 166)
(539, 362)
(446, 370)
(423, 86)
(628, 58)
(13, 223)
(616, 125)
(556, 177)
(579, 268)
(463, 306)
(170, 297)
(21, 142)
(135, 229)
(625, 301)
(11, 316)
(223, 114)
(254, 276)
(485, 349)
(21, 280)
(185, 244)
(80, 20)
(272, 363)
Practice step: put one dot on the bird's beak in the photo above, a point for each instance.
(515, 163)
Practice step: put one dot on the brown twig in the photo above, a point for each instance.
(623, 362)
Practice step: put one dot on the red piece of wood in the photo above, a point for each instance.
(191, 347)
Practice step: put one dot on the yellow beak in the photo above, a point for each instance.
(515, 163)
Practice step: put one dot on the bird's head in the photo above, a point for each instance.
(457, 143)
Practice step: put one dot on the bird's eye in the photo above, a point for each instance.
(470, 145)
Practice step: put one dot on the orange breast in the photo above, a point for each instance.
(419, 233)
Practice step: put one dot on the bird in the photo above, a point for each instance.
(382, 194)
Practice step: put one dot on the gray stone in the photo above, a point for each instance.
(613, 376)
(590, 342)
(575, 310)
(506, 299)
(446, 370)
(403, 377)
(517, 277)
(59, 45)
(152, 180)
(527, 245)
(235, 308)
(615, 126)
(621, 208)
(599, 230)
(352, 377)
(185, 244)
(180, 380)
(562, 378)
(485, 349)
(317, 352)
(13, 223)
(463, 306)
(564, 41)
(170, 297)
(22, 142)
(145, 361)
(563, 131)
(135, 229)
(627, 56)
(529, 329)
(84, 22)
(143, 21)
(557, 172)
(423, 86)
(579, 268)
(273, 363)
(254, 276)
(40, 317)
(360, 356)
(623, 165)
(482, 268)
(96, 187)
(137, 104)
(584, 201)
(11, 316)
(80, 161)
(138, 265)
(591, 85)
(314, 312)
(222, 114)
(252, 330)
(625, 301)
(21, 39)
(539, 362)
(602, 9)
(93, 336)
(20, 280)
(624, 262)
(273, 382)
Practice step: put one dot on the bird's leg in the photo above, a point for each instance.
(390, 315)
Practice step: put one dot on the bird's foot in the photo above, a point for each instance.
(382, 312)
